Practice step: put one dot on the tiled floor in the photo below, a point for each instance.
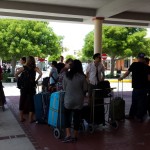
(130, 135)
(12, 137)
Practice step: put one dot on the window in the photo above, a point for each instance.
(126, 63)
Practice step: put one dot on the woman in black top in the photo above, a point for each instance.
(27, 93)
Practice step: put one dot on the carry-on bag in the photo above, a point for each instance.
(117, 106)
(41, 103)
(56, 110)
(56, 113)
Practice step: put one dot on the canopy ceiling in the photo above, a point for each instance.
(115, 12)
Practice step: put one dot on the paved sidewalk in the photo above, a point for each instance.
(12, 136)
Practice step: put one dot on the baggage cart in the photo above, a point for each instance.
(98, 111)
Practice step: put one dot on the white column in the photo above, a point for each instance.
(131, 60)
(98, 34)
(0, 61)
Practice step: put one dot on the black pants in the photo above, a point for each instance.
(2, 95)
(148, 102)
(74, 114)
(139, 103)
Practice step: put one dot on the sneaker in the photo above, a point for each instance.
(67, 139)
(74, 139)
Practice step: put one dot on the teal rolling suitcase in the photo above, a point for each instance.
(56, 109)
(41, 103)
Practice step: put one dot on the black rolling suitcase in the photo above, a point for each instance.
(99, 116)
(41, 103)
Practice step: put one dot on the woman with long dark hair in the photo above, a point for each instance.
(75, 85)
(62, 73)
(27, 93)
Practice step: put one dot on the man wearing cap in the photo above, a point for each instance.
(95, 73)
(140, 77)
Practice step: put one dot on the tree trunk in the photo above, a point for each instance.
(112, 65)
(13, 64)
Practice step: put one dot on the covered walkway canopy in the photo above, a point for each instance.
(120, 12)
(134, 13)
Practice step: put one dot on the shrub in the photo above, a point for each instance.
(111, 76)
(5, 77)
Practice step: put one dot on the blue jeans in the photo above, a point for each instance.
(139, 103)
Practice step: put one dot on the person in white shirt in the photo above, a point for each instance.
(95, 73)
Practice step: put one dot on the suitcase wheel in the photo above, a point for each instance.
(57, 133)
(91, 128)
(115, 124)
(82, 126)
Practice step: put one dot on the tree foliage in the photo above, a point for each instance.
(88, 47)
(70, 56)
(25, 37)
(53, 58)
(119, 42)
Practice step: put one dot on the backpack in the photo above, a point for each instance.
(25, 80)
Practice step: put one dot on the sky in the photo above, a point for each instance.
(148, 32)
(73, 33)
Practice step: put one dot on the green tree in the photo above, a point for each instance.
(82, 57)
(24, 37)
(53, 58)
(88, 47)
(70, 56)
(119, 42)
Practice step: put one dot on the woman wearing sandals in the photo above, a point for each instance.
(27, 94)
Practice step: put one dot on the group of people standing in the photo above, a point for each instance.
(69, 77)
(74, 82)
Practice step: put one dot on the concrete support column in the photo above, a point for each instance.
(0, 61)
(131, 60)
(98, 21)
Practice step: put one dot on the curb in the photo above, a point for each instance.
(116, 80)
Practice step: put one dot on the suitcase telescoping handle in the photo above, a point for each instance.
(120, 92)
